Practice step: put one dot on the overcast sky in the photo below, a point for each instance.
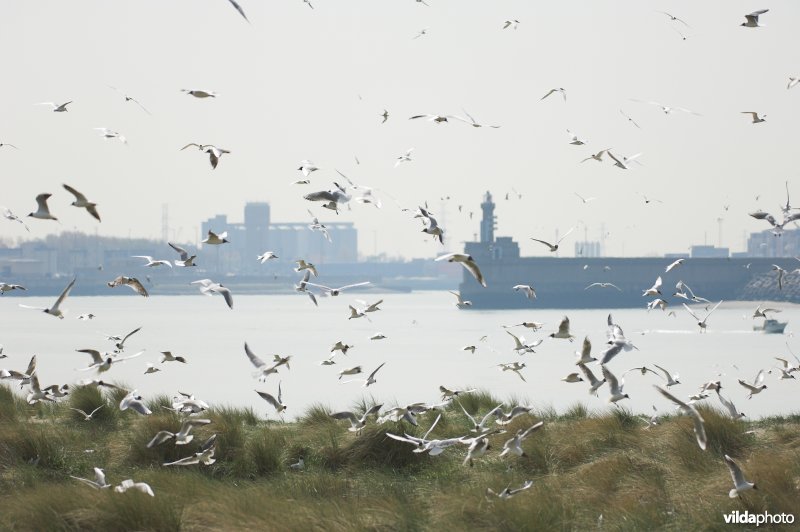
(310, 84)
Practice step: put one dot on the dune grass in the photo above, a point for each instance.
(590, 470)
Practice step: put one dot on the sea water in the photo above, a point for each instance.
(423, 350)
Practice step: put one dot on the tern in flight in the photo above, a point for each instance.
(42, 211)
(467, 262)
(82, 202)
(752, 19)
(55, 310)
(554, 247)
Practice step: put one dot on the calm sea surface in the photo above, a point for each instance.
(423, 349)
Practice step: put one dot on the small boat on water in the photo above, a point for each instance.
(771, 326)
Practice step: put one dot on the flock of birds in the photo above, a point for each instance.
(485, 426)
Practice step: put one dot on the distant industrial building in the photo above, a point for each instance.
(767, 244)
(289, 240)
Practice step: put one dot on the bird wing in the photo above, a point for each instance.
(160, 438)
(78, 196)
(92, 209)
(713, 309)
(257, 362)
(531, 430)
(182, 252)
(130, 334)
(238, 8)
(736, 472)
(446, 256)
(748, 386)
(565, 235)
(471, 419)
(690, 311)
(548, 244)
(588, 374)
(615, 159)
(548, 94)
(64, 294)
(475, 271)
(371, 375)
(270, 399)
(225, 294)
(667, 373)
(192, 144)
(352, 285)
(346, 415)
(517, 342)
(612, 380)
(563, 327)
(759, 378)
(425, 437)
(189, 460)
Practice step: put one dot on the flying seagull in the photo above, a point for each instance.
(14, 218)
(186, 260)
(214, 153)
(208, 287)
(263, 370)
(55, 310)
(752, 19)
(57, 108)
(740, 484)
(131, 282)
(197, 93)
(276, 403)
(130, 99)
(82, 202)
(151, 262)
(625, 162)
(554, 247)
(42, 211)
(674, 18)
(756, 119)
(467, 262)
(111, 134)
(699, 423)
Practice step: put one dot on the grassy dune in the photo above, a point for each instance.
(584, 465)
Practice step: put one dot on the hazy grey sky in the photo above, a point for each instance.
(311, 84)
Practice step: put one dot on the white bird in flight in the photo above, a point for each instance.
(574, 140)
(626, 161)
(198, 93)
(740, 484)
(756, 119)
(42, 212)
(467, 262)
(82, 202)
(151, 262)
(57, 108)
(752, 19)
(554, 247)
(55, 310)
(277, 403)
(697, 419)
(111, 134)
(263, 370)
(214, 153)
(207, 287)
(404, 158)
(701, 323)
(14, 218)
